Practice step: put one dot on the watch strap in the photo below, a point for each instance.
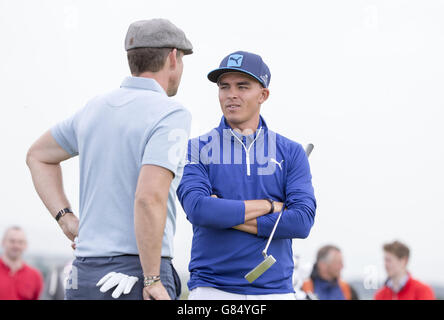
(62, 212)
(150, 280)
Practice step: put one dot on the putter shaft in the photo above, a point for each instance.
(270, 260)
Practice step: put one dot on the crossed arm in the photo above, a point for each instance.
(204, 209)
(253, 210)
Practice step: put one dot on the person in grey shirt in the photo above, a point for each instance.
(131, 144)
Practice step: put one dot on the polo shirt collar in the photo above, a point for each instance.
(142, 83)
(403, 282)
(2, 264)
(5, 266)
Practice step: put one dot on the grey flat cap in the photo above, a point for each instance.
(156, 33)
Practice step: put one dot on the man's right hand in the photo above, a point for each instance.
(155, 292)
(70, 225)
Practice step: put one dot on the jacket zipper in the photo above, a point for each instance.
(247, 151)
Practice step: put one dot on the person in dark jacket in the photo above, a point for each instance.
(325, 280)
(237, 178)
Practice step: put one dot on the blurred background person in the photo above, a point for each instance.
(400, 285)
(18, 281)
(325, 279)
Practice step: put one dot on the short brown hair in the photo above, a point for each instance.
(15, 228)
(324, 251)
(397, 248)
(147, 59)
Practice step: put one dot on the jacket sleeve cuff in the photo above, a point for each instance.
(265, 224)
(222, 213)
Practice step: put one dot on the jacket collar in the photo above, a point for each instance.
(223, 125)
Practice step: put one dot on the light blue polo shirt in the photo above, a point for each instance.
(114, 135)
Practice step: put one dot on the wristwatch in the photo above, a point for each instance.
(150, 280)
(62, 212)
(272, 205)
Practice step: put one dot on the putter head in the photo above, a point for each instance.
(260, 269)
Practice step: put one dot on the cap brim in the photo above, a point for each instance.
(214, 75)
(187, 51)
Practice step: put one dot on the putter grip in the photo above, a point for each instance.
(308, 151)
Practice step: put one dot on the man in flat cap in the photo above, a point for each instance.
(131, 143)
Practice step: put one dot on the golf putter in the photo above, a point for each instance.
(269, 260)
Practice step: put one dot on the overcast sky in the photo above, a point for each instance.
(361, 80)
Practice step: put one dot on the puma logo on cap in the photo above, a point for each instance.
(235, 60)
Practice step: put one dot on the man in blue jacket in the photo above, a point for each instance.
(236, 181)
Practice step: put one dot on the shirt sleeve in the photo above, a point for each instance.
(166, 143)
(65, 134)
(194, 194)
(298, 218)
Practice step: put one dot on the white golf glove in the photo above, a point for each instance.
(123, 282)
